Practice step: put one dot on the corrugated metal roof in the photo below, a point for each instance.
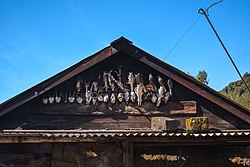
(118, 133)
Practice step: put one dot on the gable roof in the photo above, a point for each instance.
(124, 45)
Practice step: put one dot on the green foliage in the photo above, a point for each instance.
(202, 77)
(238, 92)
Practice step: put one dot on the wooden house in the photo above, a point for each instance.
(123, 107)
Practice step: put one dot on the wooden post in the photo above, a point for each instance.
(128, 154)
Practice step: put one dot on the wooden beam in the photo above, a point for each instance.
(54, 81)
(183, 79)
(234, 140)
(198, 90)
(98, 58)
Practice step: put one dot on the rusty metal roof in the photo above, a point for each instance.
(17, 136)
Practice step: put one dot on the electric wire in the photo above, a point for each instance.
(185, 33)
(203, 12)
(212, 6)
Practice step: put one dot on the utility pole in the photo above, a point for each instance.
(202, 11)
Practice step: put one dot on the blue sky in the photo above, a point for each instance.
(40, 38)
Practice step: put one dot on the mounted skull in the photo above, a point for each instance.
(170, 87)
(131, 81)
(120, 97)
(152, 81)
(161, 82)
(71, 97)
(111, 80)
(79, 85)
(112, 98)
(126, 96)
(105, 80)
(88, 93)
(160, 96)
(139, 93)
(58, 98)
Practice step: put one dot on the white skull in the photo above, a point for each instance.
(126, 96)
(112, 98)
(51, 100)
(58, 99)
(45, 101)
(94, 100)
(79, 100)
(95, 86)
(120, 97)
(132, 96)
(166, 97)
(106, 98)
(154, 98)
(100, 98)
(71, 99)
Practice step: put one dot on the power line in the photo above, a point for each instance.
(202, 11)
(191, 26)
(212, 6)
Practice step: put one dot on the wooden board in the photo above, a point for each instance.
(121, 154)
(87, 154)
(25, 155)
(171, 108)
(174, 156)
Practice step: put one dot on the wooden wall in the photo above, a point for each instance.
(25, 155)
(36, 115)
(191, 156)
(118, 155)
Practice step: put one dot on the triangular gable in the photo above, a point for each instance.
(125, 46)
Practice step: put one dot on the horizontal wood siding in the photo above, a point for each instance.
(184, 104)
(119, 154)
(191, 156)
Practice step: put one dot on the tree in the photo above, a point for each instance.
(202, 77)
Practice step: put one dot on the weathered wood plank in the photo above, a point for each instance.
(128, 154)
(87, 154)
(42, 148)
(147, 108)
(156, 155)
(24, 160)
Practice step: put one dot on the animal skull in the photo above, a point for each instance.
(170, 87)
(51, 100)
(161, 82)
(106, 98)
(88, 96)
(132, 96)
(166, 97)
(79, 100)
(78, 86)
(112, 98)
(126, 96)
(94, 100)
(152, 81)
(139, 93)
(160, 95)
(71, 99)
(45, 101)
(154, 98)
(95, 86)
(88, 93)
(131, 81)
(111, 80)
(57, 99)
(120, 97)
(100, 98)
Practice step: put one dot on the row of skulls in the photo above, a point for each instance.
(113, 90)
